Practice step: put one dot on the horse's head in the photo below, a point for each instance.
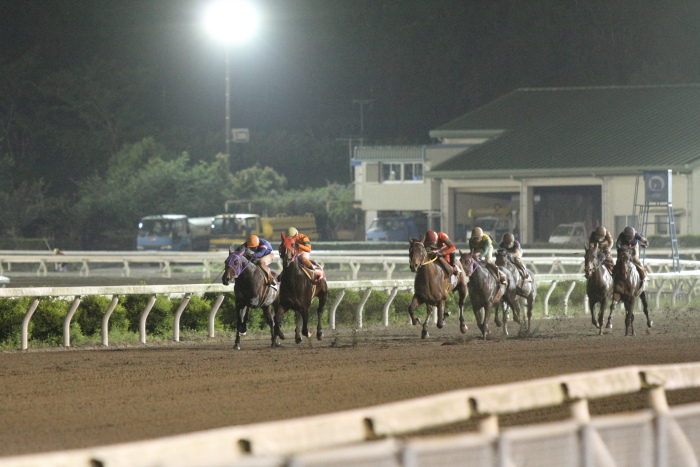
(501, 256)
(624, 261)
(233, 266)
(591, 260)
(416, 254)
(288, 249)
(468, 263)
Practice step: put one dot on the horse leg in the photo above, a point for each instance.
(462, 297)
(441, 314)
(613, 303)
(278, 322)
(269, 319)
(240, 325)
(496, 317)
(322, 297)
(530, 303)
(591, 307)
(645, 305)
(629, 317)
(411, 308)
(601, 315)
(487, 315)
(424, 331)
(299, 323)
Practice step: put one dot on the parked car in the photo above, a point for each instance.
(574, 232)
(391, 229)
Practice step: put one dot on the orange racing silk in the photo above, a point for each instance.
(303, 242)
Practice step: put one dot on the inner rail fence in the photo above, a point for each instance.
(674, 284)
(389, 434)
(539, 261)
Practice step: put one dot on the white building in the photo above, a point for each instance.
(548, 156)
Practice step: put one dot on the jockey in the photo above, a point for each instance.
(440, 244)
(303, 244)
(481, 246)
(601, 238)
(259, 251)
(512, 246)
(628, 238)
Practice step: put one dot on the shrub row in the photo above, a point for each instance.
(46, 325)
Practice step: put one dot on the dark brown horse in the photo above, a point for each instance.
(297, 291)
(599, 285)
(627, 286)
(432, 286)
(484, 291)
(251, 291)
(526, 289)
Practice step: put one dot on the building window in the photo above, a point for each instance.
(413, 172)
(662, 225)
(402, 172)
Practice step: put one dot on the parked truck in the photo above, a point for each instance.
(173, 232)
(233, 229)
(494, 222)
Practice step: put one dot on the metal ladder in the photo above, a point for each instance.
(641, 214)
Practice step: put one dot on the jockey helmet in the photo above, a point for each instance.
(431, 237)
(629, 232)
(291, 232)
(477, 232)
(252, 241)
(600, 232)
(508, 239)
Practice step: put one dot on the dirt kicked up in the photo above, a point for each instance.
(61, 399)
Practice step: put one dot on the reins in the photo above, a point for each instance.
(430, 261)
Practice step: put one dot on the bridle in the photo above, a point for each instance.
(235, 260)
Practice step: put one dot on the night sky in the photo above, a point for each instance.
(420, 62)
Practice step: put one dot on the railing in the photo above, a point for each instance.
(673, 284)
(540, 261)
(659, 436)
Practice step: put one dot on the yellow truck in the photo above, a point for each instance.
(233, 229)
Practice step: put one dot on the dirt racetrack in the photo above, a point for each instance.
(54, 399)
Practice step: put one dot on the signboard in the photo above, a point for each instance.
(657, 186)
(240, 135)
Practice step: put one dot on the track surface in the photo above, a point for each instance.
(60, 399)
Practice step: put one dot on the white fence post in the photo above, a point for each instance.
(178, 313)
(144, 315)
(105, 320)
(387, 304)
(552, 286)
(25, 323)
(67, 319)
(334, 306)
(567, 295)
(360, 307)
(212, 313)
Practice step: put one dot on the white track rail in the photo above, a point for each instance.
(673, 284)
(659, 436)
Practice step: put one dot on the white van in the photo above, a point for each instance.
(574, 232)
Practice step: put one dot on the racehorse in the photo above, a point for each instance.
(432, 285)
(525, 289)
(627, 286)
(297, 291)
(484, 289)
(251, 291)
(599, 285)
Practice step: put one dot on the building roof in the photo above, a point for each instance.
(389, 153)
(575, 131)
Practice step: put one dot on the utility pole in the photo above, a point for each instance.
(362, 103)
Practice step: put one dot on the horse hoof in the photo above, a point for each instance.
(424, 334)
(242, 333)
(463, 328)
(608, 326)
(650, 323)
(319, 335)
(440, 324)
(309, 334)
(276, 344)
(279, 334)
(447, 314)
(238, 346)
(297, 340)
(498, 323)
(416, 321)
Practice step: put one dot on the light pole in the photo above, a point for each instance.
(230, 22)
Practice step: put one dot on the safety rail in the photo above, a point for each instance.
(564, 261)
(658, 436)
(674, 284)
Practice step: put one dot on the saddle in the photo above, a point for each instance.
(314, 275)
